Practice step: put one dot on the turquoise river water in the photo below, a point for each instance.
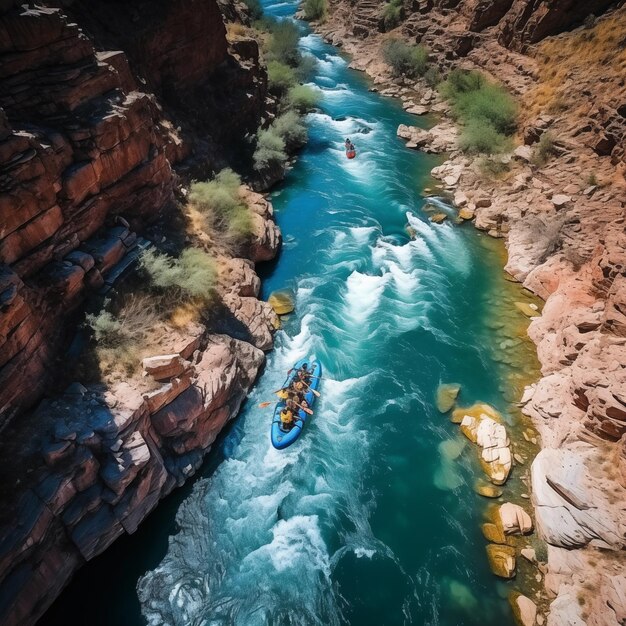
(367, 519)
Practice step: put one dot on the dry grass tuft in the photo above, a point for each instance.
(593, 52)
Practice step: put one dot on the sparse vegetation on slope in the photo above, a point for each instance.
(303, 98)
(287, 67)
(487, 111)
(407, 60)
(597, 50)
(315, 10)
(393, 14)
(224, 212)
(191, 276)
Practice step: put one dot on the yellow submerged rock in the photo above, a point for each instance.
(487, 490)
(438, 218)
(477, 411)
(466, 214)
(501, 560)
(446, 396)
(527, 309)
(282, 301)
(493, 533)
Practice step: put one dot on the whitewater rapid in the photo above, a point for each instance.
(311, 534)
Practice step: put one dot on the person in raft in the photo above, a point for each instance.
(349, 146)
(304, 375)
(286, 418)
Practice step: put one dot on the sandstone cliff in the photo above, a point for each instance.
(563, 222)
(104, 108)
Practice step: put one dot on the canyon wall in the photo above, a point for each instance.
(104, 108)
(563, 220)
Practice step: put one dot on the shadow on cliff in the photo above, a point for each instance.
(114, 573)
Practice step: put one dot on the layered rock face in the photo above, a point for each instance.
(178, 51)
(83, 143)
(98, 102)
(563, 221)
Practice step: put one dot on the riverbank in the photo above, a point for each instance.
(563, 226)
(102, 415)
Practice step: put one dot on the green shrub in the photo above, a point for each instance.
(405, 60)
(107, 329)
(190, 276)
(255, 10)
(488, 112)
(283, 42)
(290, 128)
(280, 77)
(461, 81)
(270, 150)
(315, 9)
(303, 98)
(392, 15)
(432, 76)
(479, 136)
(218, 200)
(490, 103)
(545, 148)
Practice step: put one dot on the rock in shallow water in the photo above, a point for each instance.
(487, 490)
(501, 560)
(446, 396)
(494, 534)
(514, 519)
(524, 609)
(282, 301)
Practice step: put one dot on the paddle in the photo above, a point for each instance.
(305, 409)
(316, 393)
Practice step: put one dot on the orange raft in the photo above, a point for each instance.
(351, 154)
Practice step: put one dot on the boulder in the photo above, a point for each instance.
(524, 153)
(560, 200)
(446, 396)
(501, 560)
(438, 218)
(487, 490)
(467, 213)
(165, 366)
(515, 521)
(282, 301)
(524, 609)
(493, 533)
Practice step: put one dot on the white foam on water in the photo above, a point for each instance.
(364, 552)
(363, 295)
(444, 241)
(363, 234)
(296, 544)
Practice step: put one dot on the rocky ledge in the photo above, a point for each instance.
(563, 222)
(100, 457)
(102, 113)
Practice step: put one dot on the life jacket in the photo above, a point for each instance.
(286, 417)
(298, 385)
(283, 394)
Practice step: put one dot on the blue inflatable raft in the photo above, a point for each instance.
(282, 438)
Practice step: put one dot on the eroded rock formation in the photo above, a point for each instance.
(100, 103)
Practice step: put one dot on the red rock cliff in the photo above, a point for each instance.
(84, 140)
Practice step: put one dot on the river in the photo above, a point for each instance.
(370, 518)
